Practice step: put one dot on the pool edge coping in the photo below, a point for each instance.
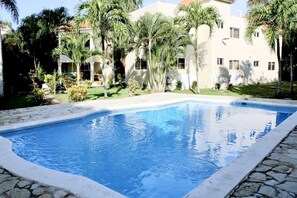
(85, 187)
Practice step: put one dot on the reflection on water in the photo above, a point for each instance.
(158, 153)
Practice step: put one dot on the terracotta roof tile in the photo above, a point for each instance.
(186, 2)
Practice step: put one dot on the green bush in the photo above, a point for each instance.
(52, 81)
(109, 81)
(68, 82)
(87, 83)
(178, 85)
(77, 93)
(133, 85)
(194, 85)
(38, 95)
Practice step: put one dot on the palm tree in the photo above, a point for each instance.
(167, 51)
(162, 41)
(9, 5)
(74, 45)
(192, 17)
(278, 19)
(151, 29)
(108, 19)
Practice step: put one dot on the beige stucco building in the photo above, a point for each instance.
(225, 54)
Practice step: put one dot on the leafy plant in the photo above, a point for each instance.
(109, 80)
(133, 85)
(52, 80)
(77, 93)
(194, 85)
(38, 95)
(87, 83)
(178, 85)
(68, 82)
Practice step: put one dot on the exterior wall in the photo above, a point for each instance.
(212, 47)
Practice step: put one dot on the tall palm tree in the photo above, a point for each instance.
(167, 51)
(278, 19)
(151, 30)
(74, 45)
(106, 18)
(9, 5)
(192, 17)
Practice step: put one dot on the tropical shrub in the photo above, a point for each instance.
(194, 85)
(87, 84)
(68, 82)
(38, 95)
(109, 80)
(51, 80)
(133, 85)
(77, 93)
(178, 85)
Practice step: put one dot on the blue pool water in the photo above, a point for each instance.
(162, 152)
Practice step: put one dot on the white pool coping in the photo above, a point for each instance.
(218, 185)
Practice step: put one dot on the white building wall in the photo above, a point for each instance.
(211, 47)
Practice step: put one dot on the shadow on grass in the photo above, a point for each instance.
(268, 90)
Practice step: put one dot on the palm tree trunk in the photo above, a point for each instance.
(197, 61)
(77, 73)
(149, 69)
(103, 64)
(1, 68)
(280, 69)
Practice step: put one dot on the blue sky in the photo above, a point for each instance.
(27, 8)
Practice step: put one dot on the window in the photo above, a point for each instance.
(181, 63)
(234, 64)
(256, 34)
(271, 65)
(140, 64)
(221, 25)
(256, 63)
(234, 32)
(220, 61)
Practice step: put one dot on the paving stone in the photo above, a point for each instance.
(258, 176)
(34, 186)
(7, 185)
(289, 159)
(283, 169)
(267, 190)
(284, 194)
(247, 189)
(271, 182)
(38, 191)
(277, 176)
(19, 193)
(288, 186)
(293, 173)
(4, 177)
(3, 196)
(292, 179)
(275, 156)
(1, 170)
(60, 194)
(71, 196)
(46, 195)
(24, 183)
(263, 168)
(271, 163)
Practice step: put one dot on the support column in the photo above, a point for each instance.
(59, 67)
(92, 71)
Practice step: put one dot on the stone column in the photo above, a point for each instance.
(92, 71)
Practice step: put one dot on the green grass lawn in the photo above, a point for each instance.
(98, 93)
(268, 90)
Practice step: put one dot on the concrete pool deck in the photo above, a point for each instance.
(218, 185)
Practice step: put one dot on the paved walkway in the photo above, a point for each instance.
(276, 176)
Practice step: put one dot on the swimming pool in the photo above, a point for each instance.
(166, 151)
